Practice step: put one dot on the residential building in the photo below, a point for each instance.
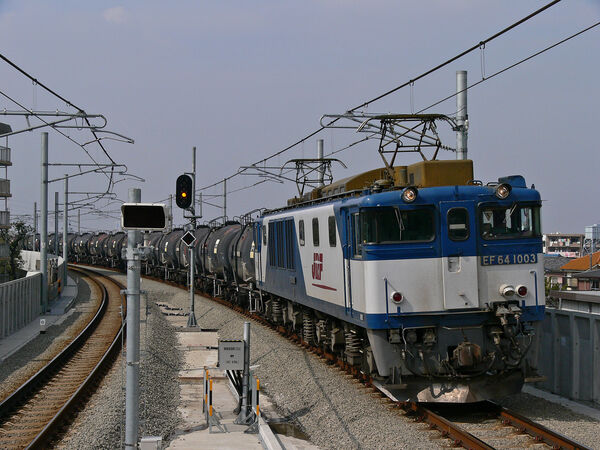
(4, 194)
(555, 276)
(569, 245)
(582, 273)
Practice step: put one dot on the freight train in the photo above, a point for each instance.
(421, 277)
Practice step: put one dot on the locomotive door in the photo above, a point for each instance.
(351, 225)
(459, 255)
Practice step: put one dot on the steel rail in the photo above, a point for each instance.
(539, 432)
(447, 428)
(38, 381)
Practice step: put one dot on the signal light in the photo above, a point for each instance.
(183, 191)
(506, 290)
(397, 297)
(502, 191)
(409, 195)
(522, 291)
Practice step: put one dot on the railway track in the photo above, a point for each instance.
(34, 414)
(474, 428)
(487, 425)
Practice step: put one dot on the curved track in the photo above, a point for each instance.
(34, 414)
(488, 425)
(533, 433)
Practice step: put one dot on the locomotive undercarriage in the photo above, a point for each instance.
(459, 364)
(429, 363)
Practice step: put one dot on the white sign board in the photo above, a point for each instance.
(231, 355)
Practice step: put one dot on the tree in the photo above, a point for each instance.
(15, 237)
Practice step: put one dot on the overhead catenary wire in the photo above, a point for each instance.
(56, 94)
(395, 89)
(512, 66)
(499, 72)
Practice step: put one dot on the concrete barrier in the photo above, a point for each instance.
(19, 303)
(569, 349)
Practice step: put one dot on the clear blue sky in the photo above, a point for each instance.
(240, 80)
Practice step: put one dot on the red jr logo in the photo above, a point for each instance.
(317, 266)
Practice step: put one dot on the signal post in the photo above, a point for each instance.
(136, 217)
(185, 198)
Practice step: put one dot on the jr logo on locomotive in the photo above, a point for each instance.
(317, 266)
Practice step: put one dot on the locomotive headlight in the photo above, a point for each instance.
(506, 290)
(397, 297)
(503, 191)
(522, 290)
(409, 195)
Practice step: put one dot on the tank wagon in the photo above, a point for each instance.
(428, 281)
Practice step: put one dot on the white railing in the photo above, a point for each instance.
(4, 155)
(4, 187)
(4, 218)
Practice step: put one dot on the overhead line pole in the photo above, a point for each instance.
(56, 223)
(65, 229)
(44, 224)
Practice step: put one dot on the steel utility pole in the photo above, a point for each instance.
(462, 118)
(44, 224)
(224, 200)
(192, 322)
(56, 224)
(132, 387)
(65, 229)
(243, 417)
(171, 212)
(35, 225)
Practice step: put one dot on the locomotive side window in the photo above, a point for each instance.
(301, 232)
(510, 222)
(388, 225)
(264, 234)
(279, 239)
(356, 242)
(458, 224)
(289, 244)
(272, 248)
(315, 231)
(331, 223)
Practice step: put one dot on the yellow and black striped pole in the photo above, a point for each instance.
(257, 398)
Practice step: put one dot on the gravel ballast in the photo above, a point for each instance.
(101, 424)
(24, 363)
(332, 408)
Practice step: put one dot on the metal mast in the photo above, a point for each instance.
(66, 229)
(44, 223)
(462, 118)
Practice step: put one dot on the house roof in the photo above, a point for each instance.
(583, 263)
(554, 263)
(595, 274)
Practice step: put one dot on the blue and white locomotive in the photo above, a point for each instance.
(432, 281)
(419, 277)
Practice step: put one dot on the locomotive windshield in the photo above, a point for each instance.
(510, 222)
(389, 225)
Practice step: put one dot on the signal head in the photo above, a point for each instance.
(183, 191)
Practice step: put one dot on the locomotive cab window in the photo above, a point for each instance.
(332, 231)
(301, 232)
(388, 225)
(315, 231)
(510, 222)
(458, 224)
(264, 234)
